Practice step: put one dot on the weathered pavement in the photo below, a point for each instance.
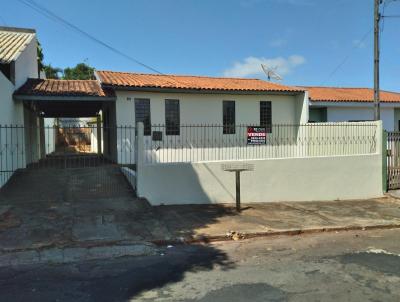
(78, 214)
(344, 266)
(103, 228)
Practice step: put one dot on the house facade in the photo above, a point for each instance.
(333, 104)
(18, 63)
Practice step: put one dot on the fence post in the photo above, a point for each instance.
(139, 156)
(99, 138)
(384, 161)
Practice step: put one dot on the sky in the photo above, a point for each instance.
(308, 42)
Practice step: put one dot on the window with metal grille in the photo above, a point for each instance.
(266, 116)
(142, 114)
(172, 117)
(228, 118)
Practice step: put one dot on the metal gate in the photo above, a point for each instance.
(393, 160)
(81, 161)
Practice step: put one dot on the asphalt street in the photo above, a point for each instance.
(345, 266)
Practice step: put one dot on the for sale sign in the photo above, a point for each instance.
(256, 135)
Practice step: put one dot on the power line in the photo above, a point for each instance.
(345, 59)
(54, 17)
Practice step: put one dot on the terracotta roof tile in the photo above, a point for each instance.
(62, 88)
(336, 94)
(138, 80)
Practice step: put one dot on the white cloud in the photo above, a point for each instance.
(278, 42)
(251, 66)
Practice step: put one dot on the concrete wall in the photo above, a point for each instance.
(347, 172)
(26, 65)
(274, 180)
(342, 114)
(11, 140)
(207, 108)
(16, 152)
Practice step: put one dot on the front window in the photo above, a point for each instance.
(142, 114)
(228, 118)
(172, 117)
(266, 116)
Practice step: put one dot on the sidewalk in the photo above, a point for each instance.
(37, 232)
(207, 223)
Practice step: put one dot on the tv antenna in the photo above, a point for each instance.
(271, 73)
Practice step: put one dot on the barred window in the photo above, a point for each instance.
(142, 114)
(172, 117)
(228, 118)
(266, 116)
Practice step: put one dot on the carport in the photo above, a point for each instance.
(46, 146)
(51, 100)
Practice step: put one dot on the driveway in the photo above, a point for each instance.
(59, 207)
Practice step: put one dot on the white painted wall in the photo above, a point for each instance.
(273, 180)
(12, 141)
(207, 108)
(202, 109)
(26, 65)
(338, 169)
(12, 144)
(50, 135)
(343, 114)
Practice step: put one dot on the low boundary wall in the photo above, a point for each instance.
(273, 180)
(308, 178)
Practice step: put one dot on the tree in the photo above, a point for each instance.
(40, 57)
(81, 71)
(52, 72)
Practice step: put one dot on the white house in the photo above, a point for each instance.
(18, 62)
(334, 104)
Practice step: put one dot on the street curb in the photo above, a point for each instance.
(74, 254)
(293, 232)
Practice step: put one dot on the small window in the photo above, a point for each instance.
(142, 114)
(228, 118)
(266, 116)
(172, 117)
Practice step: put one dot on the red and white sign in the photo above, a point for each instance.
(256, 135)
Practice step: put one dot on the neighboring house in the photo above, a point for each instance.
(18, 62)
(333, 104)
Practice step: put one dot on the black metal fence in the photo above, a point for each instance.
(393, 160)
(193, 143)
(88, 157)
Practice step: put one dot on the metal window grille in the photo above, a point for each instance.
(266, 116)
(228, 118)
(172, 117)
(142, 114)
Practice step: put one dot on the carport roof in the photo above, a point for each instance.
(35, 89)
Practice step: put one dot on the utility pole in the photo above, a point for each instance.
(377, 17)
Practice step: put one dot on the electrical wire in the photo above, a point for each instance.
(356, 45)
(54, 17)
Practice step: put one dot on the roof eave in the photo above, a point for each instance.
(201, 91)
(46, 98)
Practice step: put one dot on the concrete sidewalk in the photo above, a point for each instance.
(49, 231)
(211, 222)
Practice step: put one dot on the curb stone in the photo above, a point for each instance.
(292, 232)
(75, 254)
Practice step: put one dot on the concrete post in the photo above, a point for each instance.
(139, 155)
(99, 138)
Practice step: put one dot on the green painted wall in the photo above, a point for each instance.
(319, 115)
(396, 119)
